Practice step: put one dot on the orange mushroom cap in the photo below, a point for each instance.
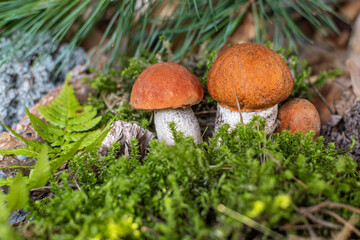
(166, 85)
(259, 75)
(299, 115)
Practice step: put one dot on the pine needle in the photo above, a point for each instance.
(135, 31)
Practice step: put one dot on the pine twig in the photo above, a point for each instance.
(347, 224)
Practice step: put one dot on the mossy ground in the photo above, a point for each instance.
(197, 191)
(176, 191)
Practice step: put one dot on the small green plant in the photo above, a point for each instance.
(248, 186)
(6, 232)
(70, 129)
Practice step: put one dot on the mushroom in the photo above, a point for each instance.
(250, 77)
(299, 115)
(169, 89)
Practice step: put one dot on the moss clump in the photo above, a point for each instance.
(176, 190)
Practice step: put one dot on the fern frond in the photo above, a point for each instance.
(66, 155)
(40, 174)
(76, 136)
(28, 151)
(18, 194)
(64, 106)
(84, 126)
(46, 131)
(82, 117)
(96, 142)
(53, 115)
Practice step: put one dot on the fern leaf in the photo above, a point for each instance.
(71, 103)
(76, 136)
(82, 117)
(57, 142)
(84, 126)
(58, 132)
(46, 131)
(99, 139)
(31, 143)
(7, 181)
(23, 151)
(6, 231)
(40, 174)
(57, 162)
(18, 195)
(53, 115)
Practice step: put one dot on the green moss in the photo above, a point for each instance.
(174, 193)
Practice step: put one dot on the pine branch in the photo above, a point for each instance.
(134, 29)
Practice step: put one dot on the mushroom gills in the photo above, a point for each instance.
(224, 115)
(184, 119)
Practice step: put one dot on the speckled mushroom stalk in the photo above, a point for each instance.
(252, 76)
(169, 89)
(226, 116)
(184, 119)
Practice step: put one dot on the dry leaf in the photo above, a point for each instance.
(123, 132)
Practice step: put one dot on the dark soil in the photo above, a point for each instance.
(343, 131)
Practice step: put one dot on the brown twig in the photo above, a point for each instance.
(272, 158)
(301, 227)
(346, 231)
(238, 105)
(76, 183)
(262, 156)
(343, 221)
(43, 189)
(311, 231)
(151, 231)
(328, 204)
(108, 105)
(321, 97)
(323, 222)
(154, 218)
(300, 182)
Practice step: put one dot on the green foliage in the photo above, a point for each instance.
(69, 121)
(136, 66)
(187, 190)
(209, 60)
(19, 194)
(40, 174)
(140, 27)
(67, 132)
(6, 232)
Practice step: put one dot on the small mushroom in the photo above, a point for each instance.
(251, 77)
(169, 89)
(299, 115)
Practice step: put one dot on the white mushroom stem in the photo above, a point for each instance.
(184, 119)
(224, 115)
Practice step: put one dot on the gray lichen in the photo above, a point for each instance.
(25, 81)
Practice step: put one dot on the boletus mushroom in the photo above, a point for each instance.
(259, 77)
(299, 115)
(169, 89)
